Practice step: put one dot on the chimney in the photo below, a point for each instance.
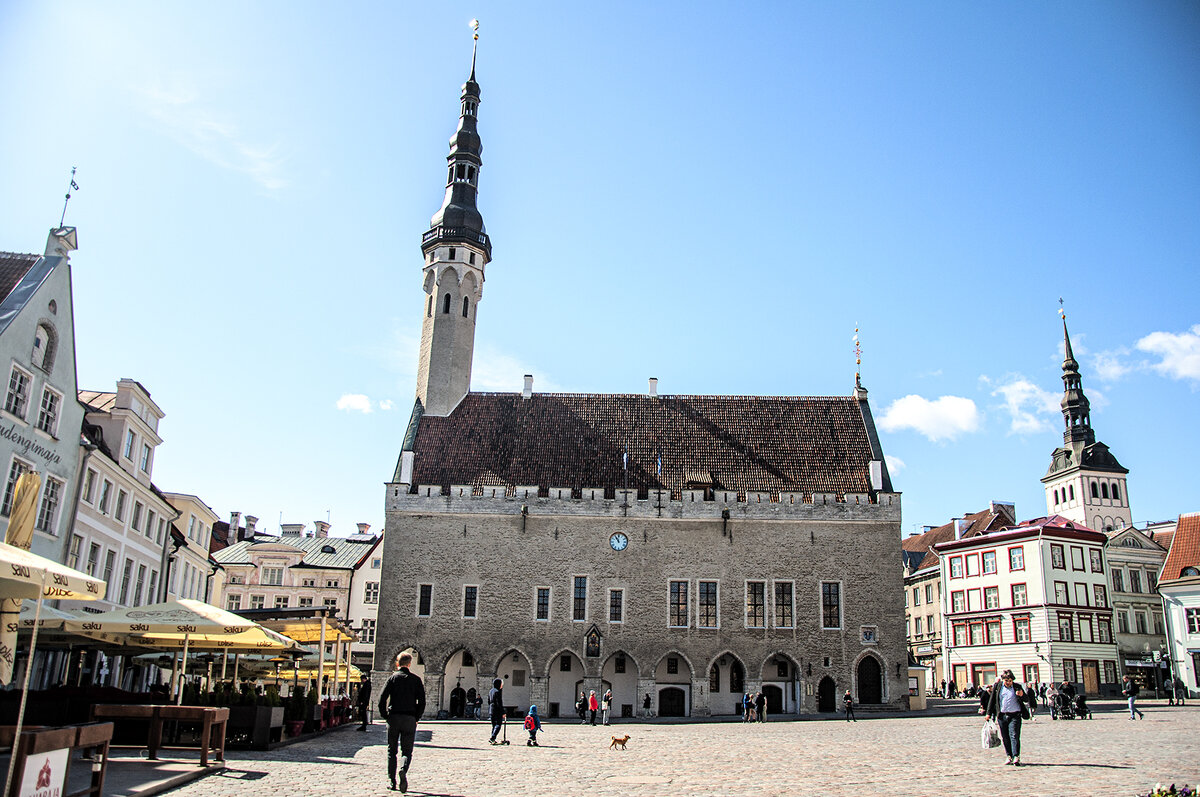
(320, 528)
(235, 521)
(654, 387)
(292, 529)
(251, 522)
(527, 391)
(364, 528)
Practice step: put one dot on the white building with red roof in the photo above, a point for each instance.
(1179, 585)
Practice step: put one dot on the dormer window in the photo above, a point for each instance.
(45, 341)
(129, 441)
(145, 458)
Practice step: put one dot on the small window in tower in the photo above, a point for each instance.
(1104, 489)
(1056, 497)
(466, 305)
(471, 175)
(450, 175)
(446, 305)
(1115, 494)
(1071, 492)
(1095, 492)
(453, 253)
(429, 311)
(471, 258)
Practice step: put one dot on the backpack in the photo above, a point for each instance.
(529, 723)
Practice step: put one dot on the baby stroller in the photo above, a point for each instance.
(1063, 708)
(1081, 708)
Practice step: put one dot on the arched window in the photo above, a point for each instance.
(1104, 489)
(466, 306)
(737, 678)
(714, 679)
(429, 310)
(1116, 493)
(1071, 491)
(1056, 497)
(1095, 492)
(45, 344)
(446, 305)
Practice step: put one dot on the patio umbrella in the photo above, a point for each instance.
(19, 535)
(183, 616)
(255, 639)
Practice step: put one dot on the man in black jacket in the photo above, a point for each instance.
(402, 703)
(496, 705)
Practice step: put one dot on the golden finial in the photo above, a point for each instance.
(857, 357)
(475, 27)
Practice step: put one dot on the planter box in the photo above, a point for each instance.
(254, 726)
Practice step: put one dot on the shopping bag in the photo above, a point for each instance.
(990, 735)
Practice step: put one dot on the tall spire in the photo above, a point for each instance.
(1076, 408)
(458, 220)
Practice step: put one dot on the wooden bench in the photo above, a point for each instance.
(212, 722)
(34, 741)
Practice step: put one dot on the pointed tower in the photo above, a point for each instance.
(1085, 483)
(456, 249)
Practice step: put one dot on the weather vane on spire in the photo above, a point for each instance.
(74, 187)
(857, 359)
(475, 46)
(1061, 311)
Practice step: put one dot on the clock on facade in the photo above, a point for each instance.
(618, 541)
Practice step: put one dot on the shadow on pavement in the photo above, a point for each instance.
(1089, 766)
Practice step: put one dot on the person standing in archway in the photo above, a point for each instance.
(593, 705)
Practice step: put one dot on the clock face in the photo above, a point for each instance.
(618, 541)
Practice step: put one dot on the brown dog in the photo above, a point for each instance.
(619, 740)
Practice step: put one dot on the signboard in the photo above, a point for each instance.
(45, 774)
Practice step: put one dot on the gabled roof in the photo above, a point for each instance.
(921, 545)
(1185, 548)
(576, 440)
(345, 553)
(13, 268)
(1060, 527)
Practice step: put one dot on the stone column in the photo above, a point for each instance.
(700, 698)
(646, 686)
(539, 695)
(433, 693)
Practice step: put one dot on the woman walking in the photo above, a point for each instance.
(1007, 704)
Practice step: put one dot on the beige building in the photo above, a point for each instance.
(1135, 557)
(192, 572)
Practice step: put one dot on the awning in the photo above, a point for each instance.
(307, 630)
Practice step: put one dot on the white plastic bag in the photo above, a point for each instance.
(989, 735)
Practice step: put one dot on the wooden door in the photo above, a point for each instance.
(1091, 677)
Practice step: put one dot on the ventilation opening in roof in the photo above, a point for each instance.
(328, 549)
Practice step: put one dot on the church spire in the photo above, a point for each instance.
(1076, 408)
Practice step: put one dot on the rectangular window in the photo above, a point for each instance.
(1118, 581)
(139, 585)
(1061, 596)
(75, 551)
(162, 530)
(619, 663)
(89, 487)
(272, 577)
(257, 601)
(110, 561)
(281, 601)
(1016, 558)
(1085, 628)
(1097, 562)
(122, 497)
(368, 632)
(543, 604)
(831, 604)
(371, 592)
(1135, 581)
(756, 605)
(376, 562)
(960, 635)
(191, 527)
(332, 583)
(48, 413)
(1058, 559)
(308, 582)
(150, 517)
(1066, 631)
(126, 577)
(679, 604)
(1139, 622)
(1031, 673)
(233, 603)
(17, 401)
(1081, 595)
(306, 603)
(993, 633)
(1021, 629)
(1122, 622)
(145, 465)
(991, 597)
(1110, 672)
(152, 591)
(424, 600)
(470, 602)
(136, 520)
(708, 605)
(1193, 620)
(15, 472)
(976, 633)
(917, 626)
(972, 564)
(564, 663)
(989, 561)
(1019, 596)
(929, 593)
(916, 596)
(1158, 623)
(1151, 581)
(1076, 558)
(47, 519)
(1104, 630)
(93, 560)
(974, 600)
(579, 600)
(956, 567)
(672, 665)
(331, 603)
(784, 605)
(1069, 670)
(129, 441)
(616, 605)
(958, 601)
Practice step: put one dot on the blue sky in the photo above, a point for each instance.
(709, 194)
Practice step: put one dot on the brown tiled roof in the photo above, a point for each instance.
(1185, 547)
(98, 400)
(740, 443)
(13, 267)
(979, 523)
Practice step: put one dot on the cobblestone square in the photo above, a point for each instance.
(1109, 755)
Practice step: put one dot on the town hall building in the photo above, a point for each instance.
(678, 549)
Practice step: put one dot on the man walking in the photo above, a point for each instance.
(1130, 689)
(848, 701)
(364, 702)
(496, 706)
(402, 703)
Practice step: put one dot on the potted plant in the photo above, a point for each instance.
(294, 712)
(313, 717)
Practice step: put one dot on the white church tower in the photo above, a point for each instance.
(456, 249)
(1085, 483)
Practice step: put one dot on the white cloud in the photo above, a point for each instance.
(1179, 353)
(894, 463)
(493, 370)
(354, 402)
(941, 419)
(207, 134)
(386, 405)
(1026, 404)
(1110, 366)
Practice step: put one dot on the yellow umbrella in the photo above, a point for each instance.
(253, 640)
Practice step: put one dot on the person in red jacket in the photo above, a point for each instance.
(593, 705)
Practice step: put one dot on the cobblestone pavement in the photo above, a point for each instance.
(1109, 755)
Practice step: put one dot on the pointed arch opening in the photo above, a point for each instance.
(565, 676)
(620, 674)
(869, 675)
